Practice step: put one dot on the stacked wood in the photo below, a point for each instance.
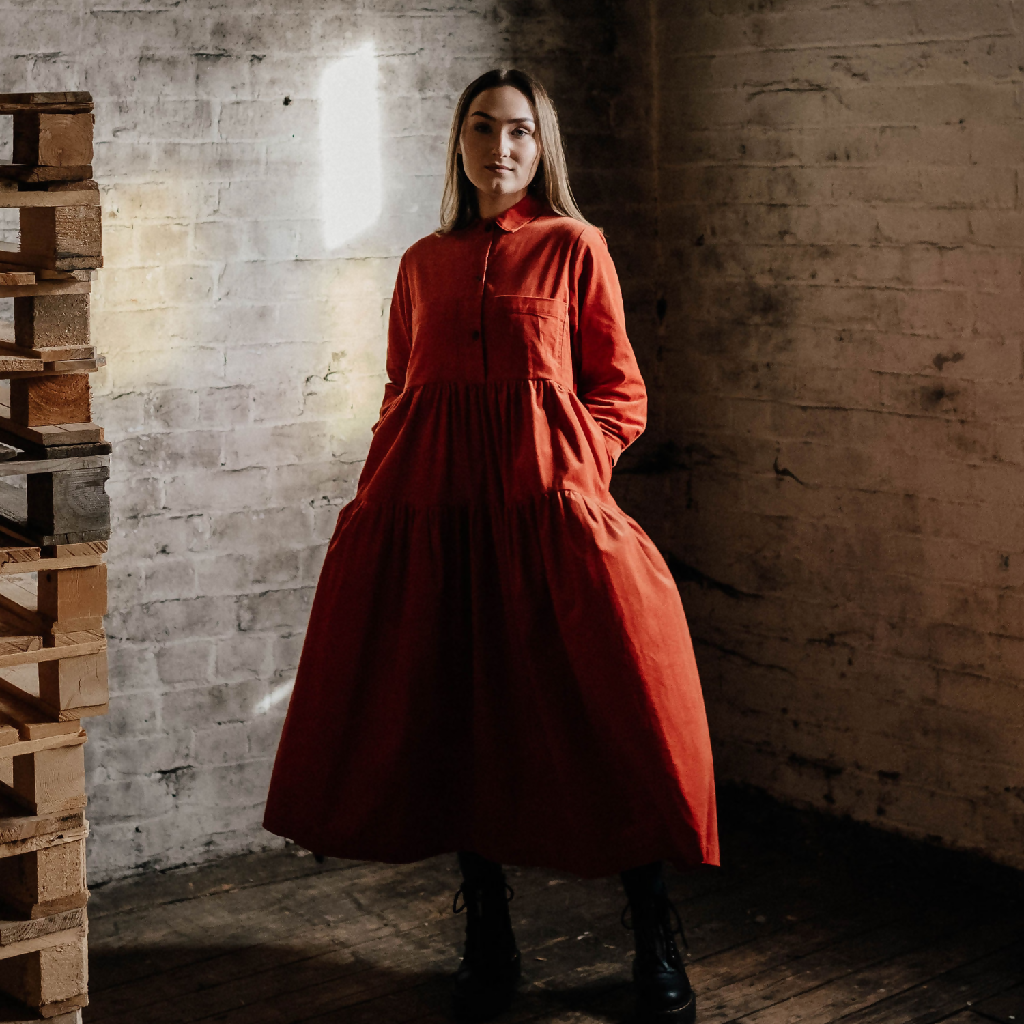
(53, 538)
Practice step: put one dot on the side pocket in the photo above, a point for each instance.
(603, 445)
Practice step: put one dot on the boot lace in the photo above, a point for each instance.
(669, 919)
(461, 891)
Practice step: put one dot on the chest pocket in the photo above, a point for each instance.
(526, 337)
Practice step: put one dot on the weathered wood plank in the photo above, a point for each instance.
(31, 173)
(17, 827)
(945, 994)
(44, 200)
(69, 102)
(824, 999)
(16, 276)
(53, 139)
(16, 291)
(39, 884)
(12, 931)
(55, 435)
(1005, 1007)
(50, 354)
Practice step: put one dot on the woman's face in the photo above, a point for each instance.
(499, 145)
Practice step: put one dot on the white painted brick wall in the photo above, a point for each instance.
(245, 362)
(815, 211)
(839, 387)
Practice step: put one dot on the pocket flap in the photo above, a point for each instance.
(532, 305)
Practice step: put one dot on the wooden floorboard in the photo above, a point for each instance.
(810, 921)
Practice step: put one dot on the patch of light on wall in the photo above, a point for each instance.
(278, 694)
(350, 146)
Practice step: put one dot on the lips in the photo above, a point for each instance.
(497, 167)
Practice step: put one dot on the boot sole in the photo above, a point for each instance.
(685, 1014)
(476, 1008)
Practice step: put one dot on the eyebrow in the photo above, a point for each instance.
(511, 120)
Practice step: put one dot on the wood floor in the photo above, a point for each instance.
(810, 921)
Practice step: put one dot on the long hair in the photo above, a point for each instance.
(551, 182)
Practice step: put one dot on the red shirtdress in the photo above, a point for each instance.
(497, 658)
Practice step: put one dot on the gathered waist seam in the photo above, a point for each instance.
(535, 499)
(480, 384)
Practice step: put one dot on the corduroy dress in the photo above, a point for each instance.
(497, 658)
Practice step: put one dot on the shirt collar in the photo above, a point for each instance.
(528, 208)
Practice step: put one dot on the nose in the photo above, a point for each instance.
(503, 144)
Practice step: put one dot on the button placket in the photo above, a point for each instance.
(478, 333)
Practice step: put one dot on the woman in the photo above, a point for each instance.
(497, 661)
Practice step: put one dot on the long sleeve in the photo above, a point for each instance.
(399, 342)
(608, 379)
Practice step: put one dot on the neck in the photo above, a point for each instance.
(493, 206)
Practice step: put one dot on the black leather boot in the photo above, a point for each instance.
(486, 979)
(663, 991)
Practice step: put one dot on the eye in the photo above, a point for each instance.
(482, 126)
(520, 132)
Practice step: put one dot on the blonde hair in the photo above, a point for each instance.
(551, 181)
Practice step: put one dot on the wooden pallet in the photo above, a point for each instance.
(49, 973)
(53, 538)
(63, 500)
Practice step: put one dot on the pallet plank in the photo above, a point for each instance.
(55, 435)
(51, 322)
(28, 652)
(17, 827)
(53, 139)
(27, 464)
(48, 780)
(51, 354)
(18, 930)
(51, 400)
(50, 973)
(11, 200)
(31, 722)
(38, 884)
(32, 173)
(21, 291)
(64, 237)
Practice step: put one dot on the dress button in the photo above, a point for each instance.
(475, 335)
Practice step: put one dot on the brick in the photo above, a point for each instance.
(230, 491)
(196, 617)
(276, 445)
(223, 744)
(155, 118)
(155, 244)
(157, 754)
(186, 661)
(275, 609)
(136, 497)
(246, 656)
